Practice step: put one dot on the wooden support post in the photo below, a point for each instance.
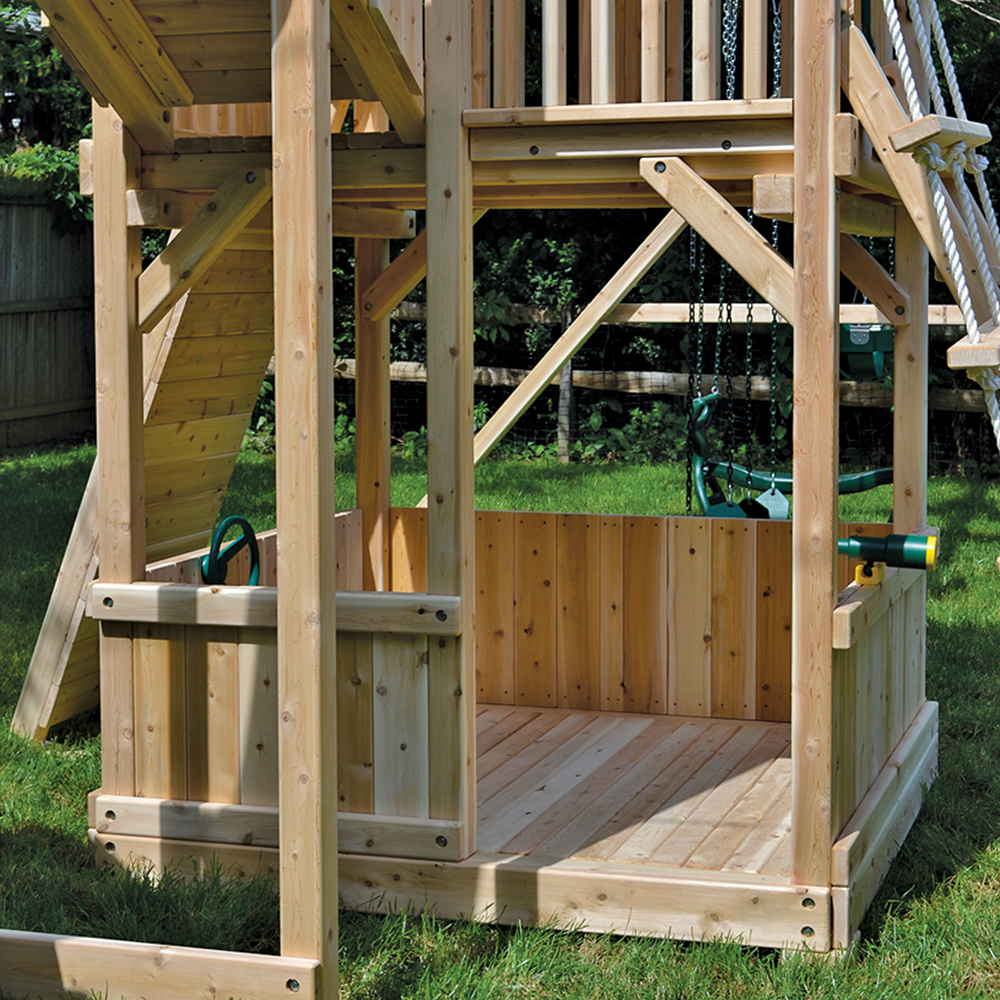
(756, 51)
(451, 513)
(653, 15)
(508, 54)
(553, 52)
(706, 61)
(371, 346)
(909, 450)
(602, 51)
(303, 328)
(118, 360)
(815, 453)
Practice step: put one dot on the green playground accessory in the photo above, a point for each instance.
(215, 565)
(903, 551)
(717, 505)
(863, 348)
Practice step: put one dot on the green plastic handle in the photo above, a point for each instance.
(215, 565)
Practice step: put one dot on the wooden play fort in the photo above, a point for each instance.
(692, 727)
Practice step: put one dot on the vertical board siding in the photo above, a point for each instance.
(535, 610)
(578, 600)
(495, 607)
(774, 621)
(734, 626)
(258, 669)
(355, 753)
(690, 609)
(645, 614)
(612, 597)
(409, 549)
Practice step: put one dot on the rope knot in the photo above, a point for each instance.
(957, 158)
(929, 155)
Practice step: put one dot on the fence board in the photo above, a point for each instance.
(258, 670)
(734, 620)
(535, 609)
(645, 617)
(355, 752)
(774, 621)
(578, 600)
(612, 614)
(495, 607)
(690, 598)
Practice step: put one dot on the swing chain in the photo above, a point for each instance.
(724, 349)
(689, 402)
(730, 17)
(748, 366)
(776, 47)
(773, 374)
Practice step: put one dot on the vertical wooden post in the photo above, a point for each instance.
(303, 329)
(815, 445)
(756, 51)
(602, 51)
(553, 52)
(654, 50)
(118, 361)
(450, 507)
(371, 420)
(909, 448)
(706, 49)
(508, 53)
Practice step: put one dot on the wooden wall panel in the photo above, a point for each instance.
(690, 610)
(495, 607)
(409, 549)
(845, 723)
(734, 620)
(400, 725)
(355, 753)
(612, 614)
(258, 679)
(578, 611)
(535, 609)
(158, 691)
(212, 698)
(774, 621)
(645, 614)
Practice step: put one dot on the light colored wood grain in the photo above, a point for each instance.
(409, 549)
(535, 672)
(212, 697)
(729, 234)
(307, 615)
(940, 130)
(602, 52)
(355, 752)
(654, 58)
(508, 53)
(690, 609)
(47, 964)
(773, 828)
(645, 623)
(706, 62)
(369, 222)
(612, 614)
(774, 622)
(578, 333)
(734, 619)
(495, 607)
(553, 52)
(860, 608)
(873, 280)
(512, 722)
(372, 474)
(258, 693)
(578, 611)
(815, 446)
(399, 729)
(159, 690)
(118, 740)
(756, 50)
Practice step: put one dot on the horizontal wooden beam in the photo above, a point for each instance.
(728, 233)
(616, 114)
(220, 823)
(854, 158)
(858, 608)
(185, 259)
(941, 130)
(45, 964)
(376, 223)
(773, 199)
(727, 139)
(185, 604)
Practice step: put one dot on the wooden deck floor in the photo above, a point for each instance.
(702, 794)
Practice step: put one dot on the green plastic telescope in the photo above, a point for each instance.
(905, 551)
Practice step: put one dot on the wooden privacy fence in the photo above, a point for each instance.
(622, 51)
(46, 325)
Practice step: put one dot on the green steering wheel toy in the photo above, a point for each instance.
(215, 565)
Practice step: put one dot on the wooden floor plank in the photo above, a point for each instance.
(510, 737)
(711, 814)
(774, 825)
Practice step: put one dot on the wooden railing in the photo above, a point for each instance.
(629, 51)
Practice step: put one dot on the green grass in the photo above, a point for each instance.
(931, 932)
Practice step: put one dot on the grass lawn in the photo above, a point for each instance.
(931, 933)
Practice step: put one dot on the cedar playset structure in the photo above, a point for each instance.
(680, 726)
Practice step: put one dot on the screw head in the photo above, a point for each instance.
(660, 167)
(441, 841)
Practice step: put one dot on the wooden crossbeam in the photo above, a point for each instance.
(374, 222)
(83, 32)
(873, 280)
(728, 233)
(365, 43)
(146, 52)
(189, 256)
(773, 196)
(579, 332)
(400, 277)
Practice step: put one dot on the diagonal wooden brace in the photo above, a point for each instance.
(873, 281)
(200, 242)
(725, 230)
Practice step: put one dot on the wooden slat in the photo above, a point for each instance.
(612, 614)
(602, 52)
(734, 623)
(706, 64)
(644, 624)
(654, 59)
(495, 607)
(941, 130)
(690, 610)
(508, 53)
(770, 831)
(161, 751)
(200, 357)
(355, 752)
(212, 696)
(578, 611)
(553, 52)
(258, 693)
(774, 622)
(535, 680)
(517, 730)
(409, 549)
(204, 397)
(756, 50)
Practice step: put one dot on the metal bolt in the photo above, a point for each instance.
(251, 177)
(726, 144)
(900, 310)
(660, 166)
(533, 151)
(809, 903)
(109, 602)
(292, 985)
(441, 615)
(808, 932)
(441, 841)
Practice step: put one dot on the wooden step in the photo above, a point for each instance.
(941, 130)
(985, 354)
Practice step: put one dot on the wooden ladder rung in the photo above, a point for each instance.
(940, 129)
(985, 354)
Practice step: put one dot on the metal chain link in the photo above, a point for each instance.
(776, 47)
(773, 374)
(689, 402)
(730, 21)
(748, 368)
